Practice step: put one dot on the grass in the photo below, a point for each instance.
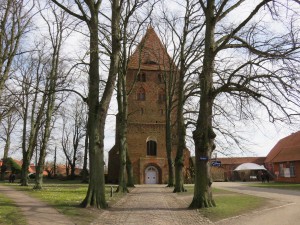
(277, 185)
(232, 204)
(9, 212)
(66, 196)
(229, 204)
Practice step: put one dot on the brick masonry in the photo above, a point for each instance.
(146, 118)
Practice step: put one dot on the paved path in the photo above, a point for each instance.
(157, 205)
(286, 213)
(35, 211)
(151, 205)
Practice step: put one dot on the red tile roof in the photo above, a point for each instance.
(150, 54)
(287, 149)
(241, 160)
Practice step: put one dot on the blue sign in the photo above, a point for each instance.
(216, 163)
(203, 158)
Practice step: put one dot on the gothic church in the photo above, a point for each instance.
(146, 120)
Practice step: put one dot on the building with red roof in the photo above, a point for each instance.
(284, 159)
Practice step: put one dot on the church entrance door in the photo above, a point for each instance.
(151, 175)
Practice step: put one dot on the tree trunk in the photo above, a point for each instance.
(24, 172)
(179, 160)
(85, 170)
(54, 162)
(130, 181)
(169, 153)
(203, 135)
(72, 171)
(97, 112)
(96, 190)
(5, 154)
(122, 148)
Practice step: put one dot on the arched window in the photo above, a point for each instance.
(160, 78)
(141, 94)
(151, 148)
(161, 95)
(141, 77)
(161, 112)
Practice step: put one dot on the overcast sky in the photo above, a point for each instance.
(263, 137)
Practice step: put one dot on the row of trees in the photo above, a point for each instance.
(228, 61)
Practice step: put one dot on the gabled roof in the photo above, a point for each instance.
(237, 160)
(241, 160)
(150, 54)
(287, 149)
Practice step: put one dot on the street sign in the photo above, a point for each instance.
(216, 163)
(203, 158)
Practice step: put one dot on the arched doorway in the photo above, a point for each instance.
(151, 175)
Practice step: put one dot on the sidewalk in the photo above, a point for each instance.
(35, 211)
(287, 213)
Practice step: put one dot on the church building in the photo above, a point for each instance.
(146, 115)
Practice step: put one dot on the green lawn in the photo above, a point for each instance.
(66, 196)
(229, 204)
(9, 212)
(277, 185)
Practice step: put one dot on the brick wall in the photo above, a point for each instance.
(146, 115)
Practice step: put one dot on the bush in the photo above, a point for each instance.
(10, 164)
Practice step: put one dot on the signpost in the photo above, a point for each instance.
(203, 158)
(216, 163)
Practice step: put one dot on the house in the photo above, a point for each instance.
(228, 165)
(284, 159)
(222, 169)
(148, 66)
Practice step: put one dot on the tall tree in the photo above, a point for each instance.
(73, 131)
(88, 12)
(8, 123)
(32, 104)
(262, 70)
(129, 20)
(186, 42)
(85, 156)
(56, 30)
(14, 20)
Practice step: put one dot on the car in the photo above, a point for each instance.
(31, 175)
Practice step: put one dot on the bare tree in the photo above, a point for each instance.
(56, 33)
(73, 131)
(8, 123)
(88, 12)
(85, 157)
(131, 24)
(182, 36)
(262, 70)
(32, 105)
(15, 18)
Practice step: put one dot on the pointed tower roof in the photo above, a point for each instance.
(150, 54)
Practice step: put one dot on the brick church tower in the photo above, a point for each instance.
(146, 115)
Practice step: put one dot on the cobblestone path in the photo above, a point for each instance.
(151, 205)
